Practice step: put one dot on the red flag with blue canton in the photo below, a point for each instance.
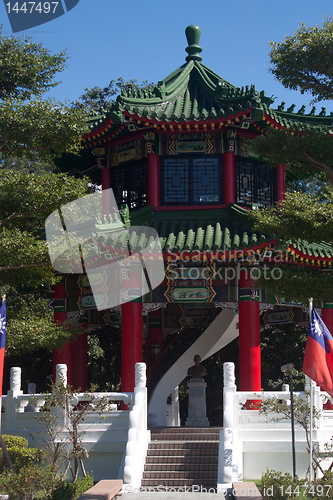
(2, 340)
(318, 357)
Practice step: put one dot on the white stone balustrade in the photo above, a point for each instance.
(251, 442)
(116, 441)
(138, 434)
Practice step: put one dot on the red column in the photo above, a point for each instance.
(281, 188)
(79, 361)
(229, 194)
(154, 337)
(153, 180)
(249, 336)
(64, 355)
(105, 194)
(131, 342)
(327, 317)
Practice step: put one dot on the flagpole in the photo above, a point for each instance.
(2, 444)
(311, 403)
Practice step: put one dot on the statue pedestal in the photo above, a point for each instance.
(197, 404)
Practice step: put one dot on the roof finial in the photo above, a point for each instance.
(193, 33)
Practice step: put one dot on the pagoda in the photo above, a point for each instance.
(178, 158)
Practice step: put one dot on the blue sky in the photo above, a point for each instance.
(145, 39)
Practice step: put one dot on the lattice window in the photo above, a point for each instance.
(191, 180)
(205, 180)
(129, 184)
(176, 181)
(265, 185)
(254, 183)
(119, 185)
(138, 186)
(244, 183)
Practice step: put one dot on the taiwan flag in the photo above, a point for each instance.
(2, 340)
(318, 357)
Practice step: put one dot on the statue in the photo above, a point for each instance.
(197, 370)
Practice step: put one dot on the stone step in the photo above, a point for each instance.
(162, 460)
(183, 445)
(185, 437)
(181, 467)
(202, 482)
(180, 453)
(185, 434)
(181, 475)
(179, 457)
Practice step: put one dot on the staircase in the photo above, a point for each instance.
(180, 456)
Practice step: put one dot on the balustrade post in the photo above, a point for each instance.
(228, 433)
(11, 399)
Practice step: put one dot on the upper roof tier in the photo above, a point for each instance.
(192, 97)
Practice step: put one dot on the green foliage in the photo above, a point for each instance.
(71, 491)
(30, 126)
(18, 55)
(28, 482)
(323, 487)
(304, 154)
(297, 283)
(282, 411)
(28, 194)
(99, 99)
(104, 348)
(278, 486)
(302, 217)
(280, 345)
(26, 200)
(21, 455)
(62, 416)
(303, 61)
(42, 129)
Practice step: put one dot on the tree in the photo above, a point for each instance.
(304, 61)
(301, 62)
(26, 199)
(98, 99)
(29, 125)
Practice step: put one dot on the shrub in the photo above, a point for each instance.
(278, 486)
(29, 481)
(323, 487)
(20, 453)
(71, 491)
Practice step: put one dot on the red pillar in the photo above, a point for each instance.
(249, 336)
(154, 337)
(229, 194)
(105, 194)
(131, 342)
(327, 317)
(64, 355)
(79, 361)
(281, 188)
(153, 180)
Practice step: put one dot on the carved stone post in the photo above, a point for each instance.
(11, 400)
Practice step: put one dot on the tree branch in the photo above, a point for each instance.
(23, 266)
(21, 215)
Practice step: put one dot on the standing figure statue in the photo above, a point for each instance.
(197, 370)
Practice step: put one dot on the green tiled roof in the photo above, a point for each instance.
(188, 230)
(210, 231)
(299, 120)
(194, 94)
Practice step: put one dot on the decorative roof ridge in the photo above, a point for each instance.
(164, 91)
(305, 118)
